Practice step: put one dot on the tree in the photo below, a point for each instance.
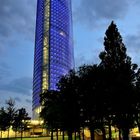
(88, 80)
(61, 107)
(51, 112)
(93, 100)
(16, 124)
(3, 120)
(70, 104)
(20, 121)
(120, 83)
(10, 116)
(10, 110)
(137, 99)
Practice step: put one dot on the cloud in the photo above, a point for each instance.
(17, 17)
(4, 70)
(133, 45)
(91, 12)
(22, 86)
(133, 41)
(83, 59)
(17, 99)
(28, 101)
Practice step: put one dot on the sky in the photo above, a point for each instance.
(91, 18)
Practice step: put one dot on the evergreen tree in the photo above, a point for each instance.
(137, 99)
(121, 77)
(114, 54)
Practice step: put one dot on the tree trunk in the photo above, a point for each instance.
(21, 134)
(69, 135)
(15, 134)
(125, 134)
(52, 134)
(8, 134)
(75, 135)
(120, 134)
(83, 135)
(104, 133)
(79, 135)
(56, 134)
(63, 135)
(110, 132)
(139, 126)
(92, 133)
(1, 133)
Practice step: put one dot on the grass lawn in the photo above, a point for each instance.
(37, 138)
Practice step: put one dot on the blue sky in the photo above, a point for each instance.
(90, 21)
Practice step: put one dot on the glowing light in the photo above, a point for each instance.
(138, 135)
(36, 122)
(62, 33)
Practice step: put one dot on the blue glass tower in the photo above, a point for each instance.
(53, 56)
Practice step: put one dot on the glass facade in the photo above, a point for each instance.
(53, 56)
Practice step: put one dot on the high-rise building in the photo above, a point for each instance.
(53, 56)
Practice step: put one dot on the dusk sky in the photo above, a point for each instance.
(91, 18)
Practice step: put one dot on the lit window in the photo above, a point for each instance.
(62, 33)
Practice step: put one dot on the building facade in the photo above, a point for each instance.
(53, 56)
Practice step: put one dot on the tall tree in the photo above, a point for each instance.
(88, 81)
(137, 99)
(121, 78)
(68, 86)
(92, 81)
(10, 110)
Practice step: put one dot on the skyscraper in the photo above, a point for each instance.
(53, 56)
